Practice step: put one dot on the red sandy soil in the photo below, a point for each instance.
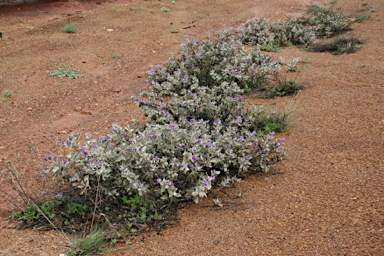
(328, 199)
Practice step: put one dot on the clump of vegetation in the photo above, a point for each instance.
(274, 34)
(70, 28)
(285, 87)
(7, 93)
(165, 9)
(66, 72)
(88, 244)
(325, 21)
(362, 18)
(340, 46)
(209, 63)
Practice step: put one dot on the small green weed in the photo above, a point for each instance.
(165, 9)
(63, 72)
(271, 47)
(116, 55)
(173, 30)
(199, 16)
(272, 121)
(285, 88)
(362, 18)
(70, 28)
(75, 208)
(7, 93)
(364, 4)
(34, 212)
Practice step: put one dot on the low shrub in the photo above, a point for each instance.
(209, 63)
(173, 157)
(325, 21)
(274, 34)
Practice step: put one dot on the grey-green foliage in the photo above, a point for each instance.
(210, 62)
(326, 21)
(63, 72)
(263, 31)
(182, 155)
(165, 9)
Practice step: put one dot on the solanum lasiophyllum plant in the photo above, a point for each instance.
(182, 153)
(210, 62)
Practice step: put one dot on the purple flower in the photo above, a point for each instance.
(216, 121)
(239, 118)
(192, 120)
(241, 99)
(100, 163)
(182, 145)
(195, 159)
(272, 133)
(182, 166)
(218, 134)
(198, 141)
(137, 100)
(157, 159)
(266, 178)
(158, 181)
(206, 183)
(207, 145)
(166, 114)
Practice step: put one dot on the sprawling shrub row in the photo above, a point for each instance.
(203, 135)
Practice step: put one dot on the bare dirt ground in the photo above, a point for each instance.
(329, 197)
